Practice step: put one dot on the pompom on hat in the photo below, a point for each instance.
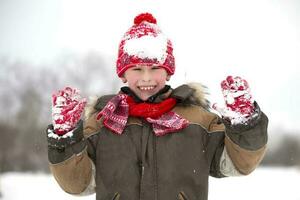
(144, 43)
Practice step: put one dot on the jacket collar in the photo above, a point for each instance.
(192, 93)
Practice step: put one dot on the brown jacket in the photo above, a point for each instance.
(139, 165)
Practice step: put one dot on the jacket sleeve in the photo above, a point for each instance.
(241, 148)
(73, 167)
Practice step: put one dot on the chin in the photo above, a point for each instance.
(145, 98)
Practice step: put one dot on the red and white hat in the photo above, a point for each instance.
(144, 43)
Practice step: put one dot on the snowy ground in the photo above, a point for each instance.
(264, 183)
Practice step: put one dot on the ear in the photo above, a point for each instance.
(168, 77)
(124, 80)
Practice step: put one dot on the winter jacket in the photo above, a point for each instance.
(138, 165)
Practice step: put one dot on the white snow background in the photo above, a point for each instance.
(264, 183)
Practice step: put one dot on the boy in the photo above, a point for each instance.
(150, 141)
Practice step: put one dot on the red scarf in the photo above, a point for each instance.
(161, 117)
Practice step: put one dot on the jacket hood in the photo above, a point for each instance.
(192, 93)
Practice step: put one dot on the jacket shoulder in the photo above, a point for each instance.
(198, 115)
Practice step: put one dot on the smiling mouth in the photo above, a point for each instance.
(146, 88)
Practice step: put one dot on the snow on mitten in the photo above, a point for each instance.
(67, 108)
(61, 142)
(66, 128)
(239, 102)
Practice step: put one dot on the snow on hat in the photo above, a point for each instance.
(144, 43)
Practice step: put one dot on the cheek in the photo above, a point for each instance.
(160, 79)
(133, 83)
(131, 79)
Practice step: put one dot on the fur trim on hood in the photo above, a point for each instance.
(200, 94)
(90, 107)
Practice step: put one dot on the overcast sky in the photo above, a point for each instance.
(257, 39)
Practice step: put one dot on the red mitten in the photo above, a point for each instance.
(67, 107)
(239, 103)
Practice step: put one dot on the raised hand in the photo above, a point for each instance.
(67, 108)
(239, 102)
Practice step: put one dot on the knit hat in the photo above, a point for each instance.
(144, 43)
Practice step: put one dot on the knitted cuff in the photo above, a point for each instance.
(62, 148)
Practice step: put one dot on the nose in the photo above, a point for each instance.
(146, 77)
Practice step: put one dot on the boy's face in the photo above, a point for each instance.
(145, 81)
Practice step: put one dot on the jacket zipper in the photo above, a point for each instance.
(142, 165)
(141, 183)
(155, 168)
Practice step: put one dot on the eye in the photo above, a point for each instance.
(154, 68)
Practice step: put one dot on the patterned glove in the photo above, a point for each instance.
(239, 103)
(66, 128)
(67, 107)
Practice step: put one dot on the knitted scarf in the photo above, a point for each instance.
(163, 120)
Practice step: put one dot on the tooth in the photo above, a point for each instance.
(146, 87)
